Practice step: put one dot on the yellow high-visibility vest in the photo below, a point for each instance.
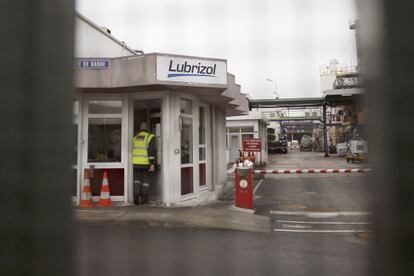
(140, 150)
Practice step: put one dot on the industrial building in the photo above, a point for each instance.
(346, 121)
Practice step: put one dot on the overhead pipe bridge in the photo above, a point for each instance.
(333, 98)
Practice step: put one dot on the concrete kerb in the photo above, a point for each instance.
(213, 217)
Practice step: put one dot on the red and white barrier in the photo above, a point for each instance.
(298, 171)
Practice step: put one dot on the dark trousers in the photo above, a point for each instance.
(141, 184)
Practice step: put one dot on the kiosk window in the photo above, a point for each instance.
(104, 140)
(202, 126)
(186, 107)
(233, 129)
(187, 141)
(186, 129)
(247, 136)
(202, 154)
(247, 129)
(105, 107)
(202, 146)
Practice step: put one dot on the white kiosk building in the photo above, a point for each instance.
(184, 100)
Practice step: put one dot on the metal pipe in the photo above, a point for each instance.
(325, 132)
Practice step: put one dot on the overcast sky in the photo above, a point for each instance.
(284, 40)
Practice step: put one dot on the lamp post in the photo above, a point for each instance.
(270, 80)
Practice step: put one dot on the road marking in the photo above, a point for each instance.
(297, 226)
(257, 186)
(320, 214)
(324, 222)
(319, 231)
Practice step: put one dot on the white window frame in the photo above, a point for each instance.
(207, 146)
(239, 133)
(194, 165)
(77, 166)
(124, 140)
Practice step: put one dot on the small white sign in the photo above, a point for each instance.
(190, 70)
(243, 183)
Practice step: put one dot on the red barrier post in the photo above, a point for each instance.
(244, 187)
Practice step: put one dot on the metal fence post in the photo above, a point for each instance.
(386, 47)
(35, 142)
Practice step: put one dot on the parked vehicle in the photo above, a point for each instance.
(306, 143)
(277, 143)
(278, 147)
(294, 145)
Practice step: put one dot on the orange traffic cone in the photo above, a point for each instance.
(105, 199)
(86, 196)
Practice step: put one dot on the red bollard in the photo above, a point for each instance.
(244, 187)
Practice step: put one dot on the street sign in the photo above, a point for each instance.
(92, 63)
(252, 145)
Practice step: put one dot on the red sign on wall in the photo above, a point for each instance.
(252, 145)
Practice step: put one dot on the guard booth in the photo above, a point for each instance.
(184, 101)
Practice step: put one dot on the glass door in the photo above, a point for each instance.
(104, 140)
(186, 141)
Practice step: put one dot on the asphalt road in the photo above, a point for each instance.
(319, 227)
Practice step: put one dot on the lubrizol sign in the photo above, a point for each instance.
(191, 70)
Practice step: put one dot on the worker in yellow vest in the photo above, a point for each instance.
(143, 160)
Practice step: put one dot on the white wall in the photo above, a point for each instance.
(221, 145)
(219, 161)
(172, 183)
(91, 42)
